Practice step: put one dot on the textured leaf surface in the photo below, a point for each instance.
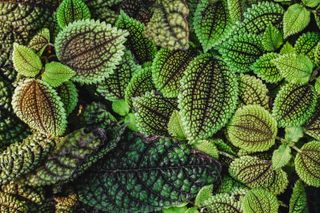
(252, 128)
(144, 177)
(56, 73)
(312, 127)
(281, 156)
(168, 69)
(40, 41)
(153, 113)
(306, 44)
(9, 203)
(260, 201)
(72, 10)
(69, 96)
(222, 203)
(298, 201)
(307, 163)
(272, 38)
(211, 22)
(175, 126)
(295, 19)
(294, 105)
(168, 26)
(38, 105)
(208, 96)
(90, 48)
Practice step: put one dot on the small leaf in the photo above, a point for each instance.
(295, 68)
(181, 209)
(56, 74)
(40, 41)
(130, 120)
(204, 194)
(272, 38)
(252, 128)
(192, 210)
(295, 19)
(298, 201)
(208, 147)
(72, 10)
(222, 203)
(25, 61)
(287, 48)
(38, 105)
(121, 107)
(260, 201)
(175, 126)
(281, 156)
(293, 134)
(306, 44)
(311, 3)
(69, 96)
(307, 163)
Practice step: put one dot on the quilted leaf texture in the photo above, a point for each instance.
(241, 51)
(20, 158)
(260, 201)
(113, 87)
(39, 106)
(211, 22)
(252, 128)
(9, 203)
(100, 10)
(140, 10)
(306, 44)
(65, 204)
(294, 105)
(208, 98)
(307, 163)
(145, 177)
(40, 41)
(168, 26)
(312, 127)
(256, 173)
(153, 113)
(168, 68)
(142, 48)
(69, 96)
(298, 201)
(91, 48)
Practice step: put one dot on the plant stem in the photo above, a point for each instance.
(227, 155)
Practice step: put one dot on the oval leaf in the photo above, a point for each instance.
(260, 201)
(56, 73)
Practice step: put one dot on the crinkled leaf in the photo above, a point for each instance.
(208, 102)
(69, 96)
(40, 41)
(272, 38)
(298, 201)
(222, 203)
(260, 201)
(10, 203)
(56, 74)
(317, 54)
(312, 127)
(281, 156)
(306, 44)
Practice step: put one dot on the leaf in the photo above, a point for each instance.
(298, 201)
(204, 194)
(113, 87)
(281, 156)
(121, 107)
(310, 3)
(260, 201)
(130, 121)
(168, 26)
(181, 209)
(295, 68)
(306, 44)
(40, 41)
(241, 51)
(230, 185)
(208, 102)
(70, 11)
(272, 38)
(153, 113)
(39, 106)
(69, 96)
(236, 9)
(307, 163)
(265, 69)
(25, 61)
(257, 173)
(253, 91)
(192, 210)
(294, 105)
(142, 48)
(293, 134)
(317, 54)
(140, 10)
(9, 203)
(208, 147)
(222, 203)
(168, 68)
(147, 176)
(252, 128)
(287, 48)
(295, 19)
(56, 74)
(211, 22)
(101, 49)
(175, 126)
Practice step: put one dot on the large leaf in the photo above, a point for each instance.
(38, 105)
(260, 201)
(145, 177)
(208, 98)
(298, 201)
(90, 48)
(295, 19)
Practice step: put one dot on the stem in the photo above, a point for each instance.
(296, 148)
(227, 155)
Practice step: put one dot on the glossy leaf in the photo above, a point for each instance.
(295, 19)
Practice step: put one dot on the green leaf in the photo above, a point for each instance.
(295, 19)
(208, 147)
(281, 156)
(294, 105)
(70, 11)
(130, 120)
(101, 49)
(287, 48)
(153, 113)
(147, 176)
(175, 126)
(307, 163)
(293, 134)
(56, 74)
(272, 38)
(10, 203)
(25, 61)
(295, 68)
(204, 194)
(298, 201)
(230, 185)
(69, 96)
(252, 128)
(121, 107)
(40, 41)
(260, 201)
(317, 54)
(253, 91)
(181, 209)
(265, 69)
(39, 106)
(222, 203)
(312, 127)
(211, 22)
(236, 9)
(241, 51)
(142, 48)
(306, 44)
(208, 102)
(310, 3)
(168, 68)
(192, 210)
(168, 26)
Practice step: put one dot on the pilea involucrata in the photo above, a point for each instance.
(173, 106)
